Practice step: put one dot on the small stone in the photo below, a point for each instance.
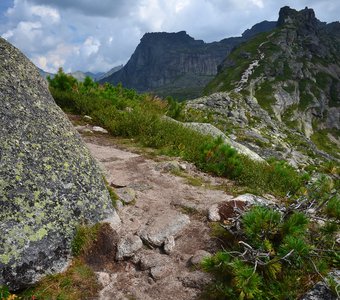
(103, 278)
(196, 279)
(213, 213)
(87, 118)
(152, 259)
(113, 220)
(136, 258)
(311, 211)
(158, 229)
(82, 128)
(127, 246)
(127, 195)
(199, 256)
(119, 205)
(169, 244)
(182, 166)
(99, 129)
(160, 272)
(87, 130)
(171, 166)
(254, 200)
(151, 281)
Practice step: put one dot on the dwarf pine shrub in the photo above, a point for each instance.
(275, 257)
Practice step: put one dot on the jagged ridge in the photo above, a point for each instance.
(175, 63)
(281, 90)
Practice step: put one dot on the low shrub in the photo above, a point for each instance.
(125, 113)
(277, 256)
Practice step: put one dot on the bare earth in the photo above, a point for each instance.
(162, 200)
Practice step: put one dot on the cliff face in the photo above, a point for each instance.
(286, 81)
(175, 63)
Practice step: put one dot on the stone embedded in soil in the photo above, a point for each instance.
(128, 246)
(198, 256)
(213, 213)
(170, 166)
(127, 195)
(103, 278)
(161, 227)
(151, 259)
(254, 200)
(160, 272)
(119, 205)
(87, 118)
(99, 129)
(169, 244)
(196, 279)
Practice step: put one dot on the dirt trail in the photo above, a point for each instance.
(163, 202)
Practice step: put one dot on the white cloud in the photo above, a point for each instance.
(47, 13)
(90, 46)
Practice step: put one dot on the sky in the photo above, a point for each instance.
(96, 35)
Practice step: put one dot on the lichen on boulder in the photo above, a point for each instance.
(49, 183)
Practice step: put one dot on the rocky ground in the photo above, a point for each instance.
(164, 230)
(166, 208)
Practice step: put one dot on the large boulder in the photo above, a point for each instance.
(48, 181)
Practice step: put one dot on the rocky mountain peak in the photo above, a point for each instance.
(293, 74)
(176, 64)
(304, 18)
(180, 37)
(263, 26)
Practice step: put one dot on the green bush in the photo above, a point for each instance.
(125, 113)
(333, 207)
(261, 224)
(275, 251)
(62, 81)
(296, 224)
(221, 159)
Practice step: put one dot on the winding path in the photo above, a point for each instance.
(161, 198)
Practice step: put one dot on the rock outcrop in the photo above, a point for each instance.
(49, 182)
(293, 72)
(176, 64)
(283, 86)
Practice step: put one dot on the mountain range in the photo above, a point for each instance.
(275, 89)
(176, 64)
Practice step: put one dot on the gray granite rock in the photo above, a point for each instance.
(320, 292)
(99, 129)
(160, 272)
(49, 183)
(196, 279)
(151, 259)
(161, 227)
(126, 195)
(213, 213)
(169, 244)
(128, 246)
